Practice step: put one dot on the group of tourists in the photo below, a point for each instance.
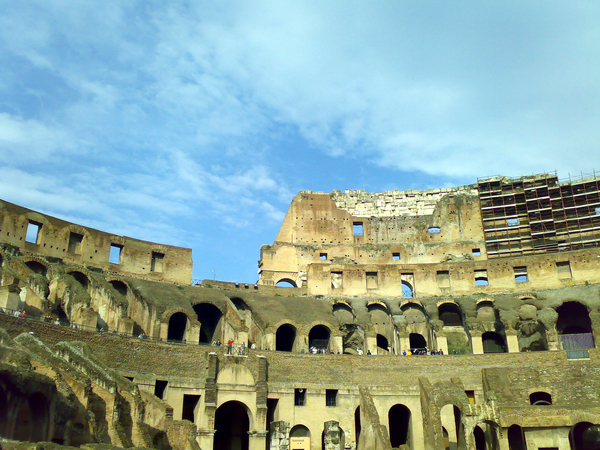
(422, 351)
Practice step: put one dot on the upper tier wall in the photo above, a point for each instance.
(45, 235)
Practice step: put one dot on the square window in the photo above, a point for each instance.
(476, 252)
(323, 256)
(190, 403)
(157, 263)
(481, 278)
(372, 280)
(337, 280)
(75, 240)
(443, 278)
(299, 397)
(597, 210)
(115, 254)
(396, 256)
(33, 232)
(471, 397)
(357, 228)
(563, 268)
(159, 388)
(513, 222)
(331, 397)
(521, 274)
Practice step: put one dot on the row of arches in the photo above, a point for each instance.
(211, 322)
(285, 338)
(582, 436)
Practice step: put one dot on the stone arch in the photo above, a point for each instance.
(399, 425)
(479, 436)
(414, 313)
(65, 235)
(516, 438)
(232, 424)
(382, 342)
(573, 318)
(120, 286)
(343, 312)
(37, 266)
(450, 314)
(417, 341)
(408, 290)
(211, 318)
(486, 310)
(585, 436)
(285, 337)
(493, 342)
(451, 421)
(80, 277)
(319, 337)
(240, 304)
(540, 398)
(378, 312)
(178, 324)
(300, 430)
(289, 281)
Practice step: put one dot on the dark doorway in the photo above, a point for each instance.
(399, 424)
(232, 425)
(285, 337)
(516, 439)
(493, 343)
(417, 340)
(450, 314)
(382, 342)
(190, 403)
(357, 425)
(209, 317)
(479, 436)
(585, 436)
(573, 318)
(177, 325)
(319, 337)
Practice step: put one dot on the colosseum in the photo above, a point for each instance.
(448, 319)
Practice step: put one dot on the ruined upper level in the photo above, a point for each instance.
(45, 235)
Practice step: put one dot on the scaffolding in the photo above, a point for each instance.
(539, 214)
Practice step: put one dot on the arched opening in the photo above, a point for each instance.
(240, 304)
(357, 426)
(540, 398)
(63, 319)
(399, 425)
(39, 411)
(379, 313)
(285, 338)
(585, 436)
(119, 286)
(417, 341)
(516, 438)
(232, 425)
(343, 313)
(407, 290)
(82, 279)
(286, 282)
(414, 313)
(493, 343)
(209, 317)
(573, 318)
(382, 342)
(299, 431)
(177, 326)
(479, 436)
(446, 438)
(37, 267)
(450, 314)
(486, 311)
(23, 425)
(160, 441)
(319, 337)
(451, 420)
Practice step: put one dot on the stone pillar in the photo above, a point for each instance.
(269, 341)
(404, 342)
(476, 342)
(164, 329)
(334, 436)
(595, 319)
(280, 435)
(9, 297)
(370, 344)
(192, 331)
(125, 325)
(205, 438)
(512, 341)
(552, 334)
(442, 343)
(337, 344)
(258, 440)
(242, 337)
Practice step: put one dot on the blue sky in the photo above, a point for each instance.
(195, 123)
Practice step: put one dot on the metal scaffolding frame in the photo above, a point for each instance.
(539, 213)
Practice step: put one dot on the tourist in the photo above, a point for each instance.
(230, 347)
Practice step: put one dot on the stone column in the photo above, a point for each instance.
(205, 438)
(192, 331)
(268, 341)
(337, 344)
(258, 440)
(404, 342)
(334, 437)
(442, 343)
(595, 319)
(476, 342)
(370, 344)
(512, 341)
(280, 435)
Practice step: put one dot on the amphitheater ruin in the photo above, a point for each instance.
(446, 319)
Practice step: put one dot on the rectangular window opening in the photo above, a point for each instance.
(33, 232)
(372, 282)
(521, 274)
(272, 410)
(597, 210)
(323, 256)
(115, 254)
(563, 268)
(443, 278)
(481, 278)
(513, 222)
(357, 228)
(75, 240)
(396, 256)
(190, 403)
(476, 252)
(337, 280)
(160, 387)
(331, 397)
(299, 397)
(471, 397)
(157, 263)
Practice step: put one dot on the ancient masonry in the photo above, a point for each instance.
(459, 319)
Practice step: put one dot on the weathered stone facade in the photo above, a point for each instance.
(116, 354)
